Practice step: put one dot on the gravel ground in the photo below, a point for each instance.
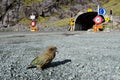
(82, 55)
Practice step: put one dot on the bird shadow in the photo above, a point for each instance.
(58, 63)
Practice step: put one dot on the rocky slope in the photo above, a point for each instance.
(12, 11)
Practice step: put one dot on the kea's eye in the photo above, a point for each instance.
(51, 49)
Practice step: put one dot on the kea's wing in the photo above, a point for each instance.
(40, 60)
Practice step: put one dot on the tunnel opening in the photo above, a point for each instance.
(85, 21)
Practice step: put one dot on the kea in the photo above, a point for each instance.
(44, 59)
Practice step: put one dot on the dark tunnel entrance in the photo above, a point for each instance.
(85, 21)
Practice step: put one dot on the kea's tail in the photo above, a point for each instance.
(31, 66)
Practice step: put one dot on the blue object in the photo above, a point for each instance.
(102, 11)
